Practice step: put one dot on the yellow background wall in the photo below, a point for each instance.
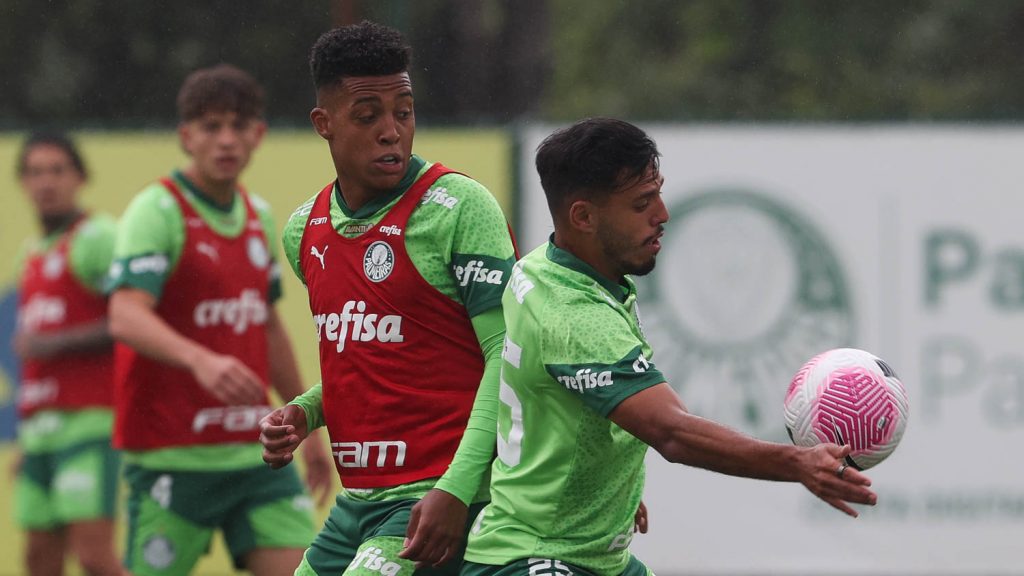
(289, 168)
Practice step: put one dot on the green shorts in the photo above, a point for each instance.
(363, 538)
(172, 515)
(547, 567)
(67, 485)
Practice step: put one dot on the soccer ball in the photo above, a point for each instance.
(848, 396)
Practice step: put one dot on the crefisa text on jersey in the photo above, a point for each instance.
(364, 327)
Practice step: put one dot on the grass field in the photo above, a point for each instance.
(289, 168)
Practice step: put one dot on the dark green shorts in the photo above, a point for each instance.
(547, 567)
(362, 537)
(64, 486)
(172, 515)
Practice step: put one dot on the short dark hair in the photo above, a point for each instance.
(364, 49)
(591, 159)
(221, 88)
(57, 140)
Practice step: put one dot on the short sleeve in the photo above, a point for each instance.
(148, 242)
(482, 252)
(593, 351)
(92, 250)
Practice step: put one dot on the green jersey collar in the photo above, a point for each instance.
(416, 165)
(191, 187)
(568, 260)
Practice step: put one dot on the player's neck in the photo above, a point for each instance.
(590, 253)
(357, 196)
(54, 223)
(220, 192)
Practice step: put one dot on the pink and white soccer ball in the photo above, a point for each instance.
(848, 396)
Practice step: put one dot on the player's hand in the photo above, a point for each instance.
(281, 432)
(228, 380)
(436, 529)
(319, 467)
(819, 466)
(640, 519)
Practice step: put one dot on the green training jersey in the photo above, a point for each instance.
(567, 481)
(150, 239)
(90, 251)
(455, 238)
(89, 256)
(458, 240)
(151, 234)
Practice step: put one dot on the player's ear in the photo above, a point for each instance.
(321, 122)
(184, 137)
(581, 216)
(261, 130)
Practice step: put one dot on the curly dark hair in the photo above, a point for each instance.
(364, 49)
(57, 140)
(221, 88)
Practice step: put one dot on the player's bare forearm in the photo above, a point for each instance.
(84, 338)
(284, 371)
(657, 417)
(134, 322)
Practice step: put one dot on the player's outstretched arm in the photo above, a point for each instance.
(134, 321)
(658, 417)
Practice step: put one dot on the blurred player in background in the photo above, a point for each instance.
(404, 262)
(67, 475)
(581, 397)
(195, 284)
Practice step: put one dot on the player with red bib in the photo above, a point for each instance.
(405, 262)
(200, 344)
(67, 477)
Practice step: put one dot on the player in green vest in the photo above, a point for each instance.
(580, 396)
(67, 474)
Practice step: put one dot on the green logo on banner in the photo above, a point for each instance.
(745, 291)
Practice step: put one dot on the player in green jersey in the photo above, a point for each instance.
(206, 472)
(67, 471)
(580, 396)
(458, 243)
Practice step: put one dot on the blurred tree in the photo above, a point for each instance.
(788, 60)
(110, 63)
(119, 63)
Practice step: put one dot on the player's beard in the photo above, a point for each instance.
(617, 251)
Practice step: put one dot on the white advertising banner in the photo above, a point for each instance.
(788, 241)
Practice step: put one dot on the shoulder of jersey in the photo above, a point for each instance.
(156, 193)
(96, 223)
(560, 286)
(452, 191)
(302, 212)
(259, 203)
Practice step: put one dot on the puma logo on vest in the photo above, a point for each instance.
(319, 255)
